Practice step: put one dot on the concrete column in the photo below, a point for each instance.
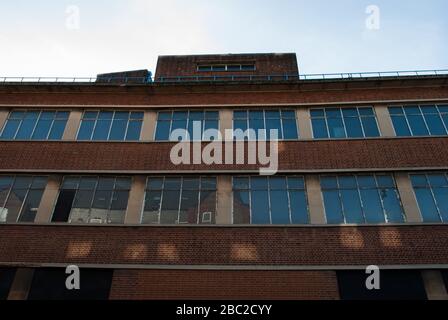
(149, 126)
(3, 117)
(224, 201)
(225, 121)
(315, 200)
(434, 285)
(384, 121)
(46, 207)
(73, 123)
(21, 285)
(304, 122)
(407, 196)
(135, 202)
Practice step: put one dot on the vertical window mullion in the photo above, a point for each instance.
(326, 123)
(343, 122)
(386, 218)
(24, 201)
(51, 126)
(407, 121)
(434, 199)
(360, 118)
(35, 125)
(94, 126)
(424, 120)
(363, 209)
(181, 191)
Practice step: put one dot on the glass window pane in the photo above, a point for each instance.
(298, 204)
(274, 124)
(134, 130)
(290, 129)
(105, 115)
(70, 183)
(22, 182)
(328, 182)
(155, 183)
(57, 130)
(259, 183)
(240, 183)
(255, 114)
(88, 183)
(26, 129)
(39, 183)
(354, 129)
(5, 185)
(121, 115)
(119, 200)
(196, 115)
(105, 183)
(401, 127)
(102, 199)
(366, 112)
(372, 207)
(352, 206)
(137, 115)
(336, 128)
(17, 115)
(291, 114)
(412, 110)
(14, 204)
(277, 183)
(86, 129)
(272, 114)
(441, 197)
(279, 207)
(366, 181)
(101, 131)
(370, 127)
(333, 209)
(62, 115)
(123, 183)
(90, 115)
(347, 182)
(350, 112)
(241, 208)
(333, 113)
(315, 113)
(437, 180)
(417, 125)
(435, 125)
(385, 181)
(191, 184)
(10, 129)
(164, 116)
(319, 129)
(83, 199)
(180, 115)
(42, 129)
(240, 124)
(163, 131)
(152, 207)
(172, 183)
(427, 205)
(419, 180)
(179, 124)
(258, 126)
(170, 207)
(240, 114)
(214, 115)
(260, 207)
(118, 130)
(208, 183)
(207, 209)
(396, 111)
(30, 206)
(392, 205)
(189, 207)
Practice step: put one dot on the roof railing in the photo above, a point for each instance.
(227, 78)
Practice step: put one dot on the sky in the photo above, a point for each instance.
(83, 38)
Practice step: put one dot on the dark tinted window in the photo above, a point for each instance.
(6, 279)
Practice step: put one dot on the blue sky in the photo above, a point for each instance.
(114, 35)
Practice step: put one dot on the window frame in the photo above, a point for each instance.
(249, 191)
(114, 111)
(360, 117)
(226, 67)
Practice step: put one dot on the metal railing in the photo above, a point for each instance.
(226, 78)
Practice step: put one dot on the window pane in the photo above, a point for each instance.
(257, 125)
(134, 129)
(279, 207)
(105, 183)
(118, 130)
(26, 129)
(299, 210)
(57, 130)
(86, 129)
(277, 183)
(189, 207)
(319, 129)
(88, 183)
(401, 127)
(392, 205)
(241, 209)
(22, 182)
(371, 203)
(435, 125)
(42, 129)
(163, 131)
(427, 206)
(366, 112)
(207, 210)
(333, 209)
(119, 200)
(328, 182)
(102, 199)
(170, 207)
(152, 207)
(353, 126)
(336, 128)
(417, 125)
(83, 199)
(155, 183)
(260, 207)
(240, 183)
(5, 185)
(347, 182)
(10, 129)
(296, 183)
(105, 115)
(31, 205)
(441, 196)
(180, 115)
(101, 131)
(14, 204)
(273, 124)
(352, 206)
(164, 116)
(370, 127)
(290, 129)
(366, 182)
(259, 183)
(90, 115)
(172, 183)
(179, 124)
(239, 114)
(240, 124)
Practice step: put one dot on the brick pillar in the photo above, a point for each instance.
(149, 126)
(304, 121)
(21, 284)
(224, 201)
(315, 200)
(407, 196)
(73, 123)
(3, 117)
(434, 285)
(49, 197)
(135, 202)
(384, 121)
(225, 121)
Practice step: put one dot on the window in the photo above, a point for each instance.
(269, 200)
(6, 278)
(361, 199)
(90, 199)
(340, 123)
(49, 284)
(193, 122)
(431, 191)
(284, 121)
(227, 67)
(180, 200)
(111, 126)
(35, 125)
(430, 120)
(20, 197)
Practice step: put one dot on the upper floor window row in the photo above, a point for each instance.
(193, 124)
(35, 125)
(20, 197)
(226, 67)
(428, 120)
(431, 191)
(340, 123)
(111, 125)
(259, 124)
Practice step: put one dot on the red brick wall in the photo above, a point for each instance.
(224, 285)
(159, 95)
(189, 246)
(295, 155)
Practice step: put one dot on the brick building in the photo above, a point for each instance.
(86, 179)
